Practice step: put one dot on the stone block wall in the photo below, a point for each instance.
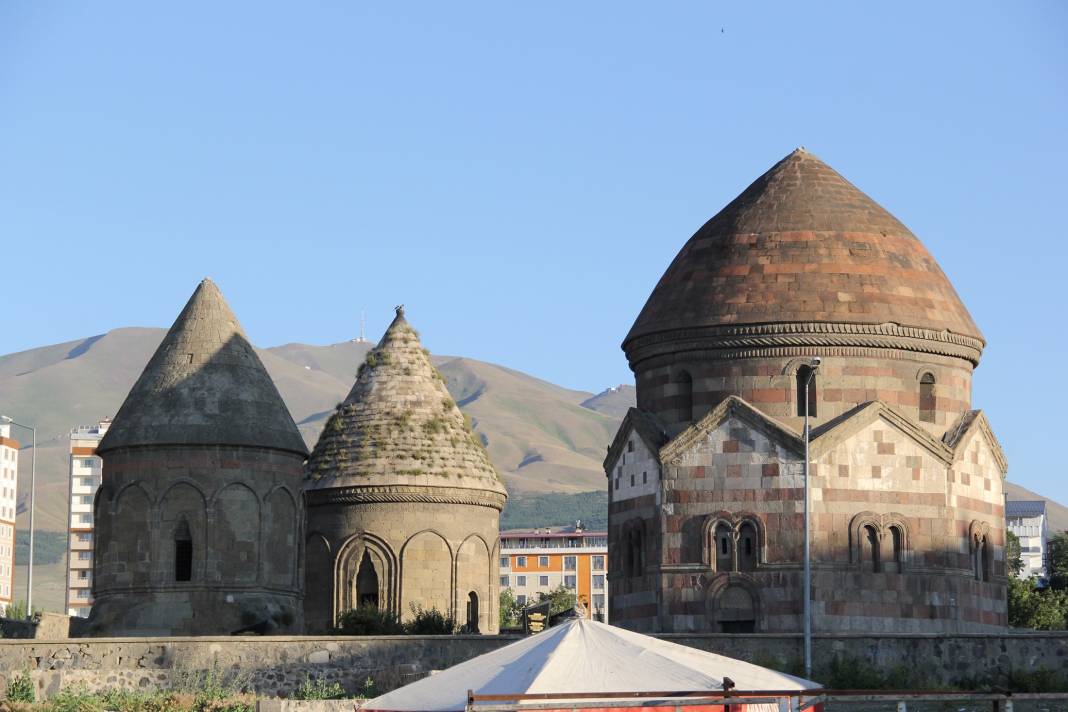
(770, 384)
(276, 666)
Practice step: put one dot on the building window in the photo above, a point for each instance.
(870, 546)
(635, 552)
(521, 599)
(632, 480)
(806, 375)
(927, 398)
(183, 552)
(598, 601)
(84, 537)
(897, 540)
(570, 563)
(645, 478)
(504, 581)
(570, 582)
(521, 561)
(721, 540)
(598, 563)
(747, 547)
(617, 483)
(543, 580)
(83, 574)
(504, 562)
(598, 582)
(630, 446)
(521, 581)
(84, 555)
(684, 389)
(543, 561)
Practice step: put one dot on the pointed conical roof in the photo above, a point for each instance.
(399, 425)
(804, 245)
(205, 385)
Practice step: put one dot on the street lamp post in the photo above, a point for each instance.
(813, 364)
(33, 486)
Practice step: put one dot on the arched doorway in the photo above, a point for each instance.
(472, 612)
(367, 583)
(735, 611)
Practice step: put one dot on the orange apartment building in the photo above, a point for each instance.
(9, 479)
(85, 468)
(537, 561)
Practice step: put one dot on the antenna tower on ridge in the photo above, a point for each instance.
(362, 339)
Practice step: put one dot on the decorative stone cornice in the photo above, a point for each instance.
(763, 340)
(393, 494)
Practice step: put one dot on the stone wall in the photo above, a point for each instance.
(277, 665)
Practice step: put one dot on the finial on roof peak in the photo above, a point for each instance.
(399, 309)
(800, 149)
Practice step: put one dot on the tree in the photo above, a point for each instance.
(1058, 561)
(509, 609)
(1032, 607)
(1013, 558)
(560, 599)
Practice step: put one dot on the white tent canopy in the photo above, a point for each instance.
(583, 656)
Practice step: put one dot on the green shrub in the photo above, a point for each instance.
(319, 689)
(20, 689)
(76, 699)
(429, 622)
(368, 620)
(369, 689)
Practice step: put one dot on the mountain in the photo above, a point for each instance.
(538, 434)
(614, 401)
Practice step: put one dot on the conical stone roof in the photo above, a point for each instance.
(802, 245)
(400, 426)
(205, 385)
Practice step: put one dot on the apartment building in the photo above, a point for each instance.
(84, 481)
(9, 479)
(539, 560)
(1027, 520)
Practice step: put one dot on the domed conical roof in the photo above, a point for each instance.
(802, 245)
(399, 425)
(205, 385)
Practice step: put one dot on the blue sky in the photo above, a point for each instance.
(519, 175)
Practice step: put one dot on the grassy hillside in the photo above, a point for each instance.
(554, 509)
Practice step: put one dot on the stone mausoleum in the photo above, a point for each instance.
(705, 476)
(403, 502)
(198, 516)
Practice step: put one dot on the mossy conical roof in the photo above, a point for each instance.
(205, 385)
(399, 425)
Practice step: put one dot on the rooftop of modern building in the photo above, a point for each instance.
(1025, 508)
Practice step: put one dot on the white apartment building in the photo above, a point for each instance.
(84, 481)
(9, 479)
(537, 561)
(1027, 520)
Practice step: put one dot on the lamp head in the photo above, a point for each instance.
(5, 419)
(816, 361)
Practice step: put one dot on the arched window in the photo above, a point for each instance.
(747, 547)
(635, 554)
(927, 398)
(183, 552)
(684, 389)
(898, 541)
(981, 557)
(472, 612)
(721, 539)
(803, 377)
(871, 547)
(630, 446)
(367, 582)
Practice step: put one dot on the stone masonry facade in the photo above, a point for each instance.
(706, 476)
